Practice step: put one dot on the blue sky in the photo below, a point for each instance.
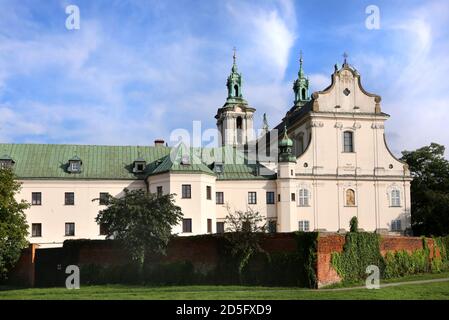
(136, 70)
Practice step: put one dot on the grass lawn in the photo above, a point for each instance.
(436, 290)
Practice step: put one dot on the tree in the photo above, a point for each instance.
(243, 232)
(429, 190)
(13, 225)
(354, 224)
(143, 221)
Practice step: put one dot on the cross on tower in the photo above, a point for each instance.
(345, 56)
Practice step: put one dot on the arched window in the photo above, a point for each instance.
(348, 141)
(350, 197)
(303, 93)
(238, 123)
(303, 197)
(395, 198)
(236, 90)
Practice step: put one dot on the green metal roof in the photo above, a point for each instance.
(183, 160)
(50, 161)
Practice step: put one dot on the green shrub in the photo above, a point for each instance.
(354, 224)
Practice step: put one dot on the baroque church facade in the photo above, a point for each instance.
(331, 163)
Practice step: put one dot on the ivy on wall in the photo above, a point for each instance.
(360, 250)
(363, 249)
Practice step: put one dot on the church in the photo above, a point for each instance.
(326, 162)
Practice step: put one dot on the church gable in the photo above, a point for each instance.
(346, 94)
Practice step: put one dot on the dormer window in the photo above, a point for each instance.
(139, 165)
(185, 160)
(75, 165)
(6, 162)
(218, 167)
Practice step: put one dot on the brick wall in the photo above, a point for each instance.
(23, 273)
(329, 243)
(204, 253)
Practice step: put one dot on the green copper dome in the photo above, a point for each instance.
(286, 141)
(285, 148)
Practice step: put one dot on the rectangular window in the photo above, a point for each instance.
(209, 225)
(348, 141)
(395, 198)
(69, 229)
(209, 192)
(396, 225)
(293, 197)
(186, 191)
(279, 198)
(103, 198)
(36, 230)
(75, 166)
(159, 190)
(69, 198)
(272, 226)
(219, 197)
(304, 225)
(303, 197)
(270, 197)
(103, 229)
(186, 225)
(36, 198)
(220, 227)
(252, 197)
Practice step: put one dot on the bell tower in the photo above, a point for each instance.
(235, 118)
(301, 86)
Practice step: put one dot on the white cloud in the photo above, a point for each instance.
(266, 37)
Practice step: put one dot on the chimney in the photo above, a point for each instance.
(159, 142)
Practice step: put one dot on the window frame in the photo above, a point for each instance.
(36, 202)
(68, 224)
(303, 197)
(304, 223)
(252, 197)
(187, 225)
(394, 225)
(33, 234)
(75, 166)
(222, 227)
(159, 190)
(351, 148)
(186, 191)
(208, 193)
(395, 201)
(270, 199)
(68, 203)
(219, 197)
(101, 199)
